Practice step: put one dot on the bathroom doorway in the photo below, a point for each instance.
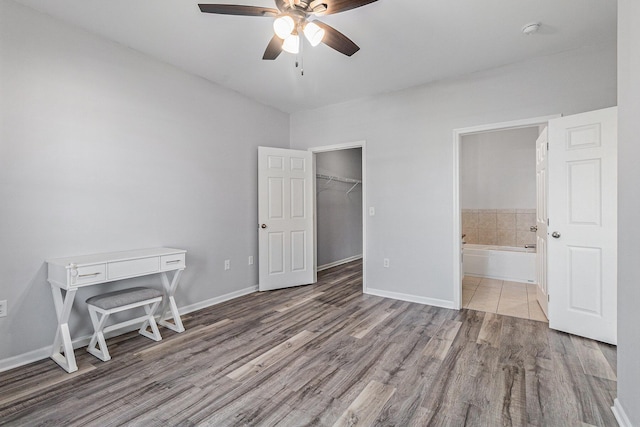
(498, 216)
(495, 208)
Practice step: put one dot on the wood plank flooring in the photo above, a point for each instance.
(326, 355)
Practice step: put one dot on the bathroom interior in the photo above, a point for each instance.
(498, 200)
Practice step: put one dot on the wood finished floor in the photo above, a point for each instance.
(326, 355)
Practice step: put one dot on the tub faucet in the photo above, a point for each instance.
(530, 246)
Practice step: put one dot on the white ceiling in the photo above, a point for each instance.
(403, 43)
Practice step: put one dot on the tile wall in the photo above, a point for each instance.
(503, 227)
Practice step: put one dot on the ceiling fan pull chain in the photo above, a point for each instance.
(301, 57)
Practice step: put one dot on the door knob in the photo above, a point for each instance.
(263, 226)
(555, 234)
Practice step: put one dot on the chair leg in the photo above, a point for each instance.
(150, 309)
(102, 352)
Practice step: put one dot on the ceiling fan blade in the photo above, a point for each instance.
(236, 9)
(336, 40)
(273, 48)
(336, 6)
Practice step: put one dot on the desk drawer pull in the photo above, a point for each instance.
(174, 261)
(89, 275)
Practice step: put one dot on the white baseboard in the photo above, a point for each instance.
(410, 298)
(620, 414)
(217, 300)
(44, 352)
(25, 358)
(339, 262)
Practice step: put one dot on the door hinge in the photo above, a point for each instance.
(548, 298)
(547, 146)
(547, 221)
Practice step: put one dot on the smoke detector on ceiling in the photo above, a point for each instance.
(532, 28)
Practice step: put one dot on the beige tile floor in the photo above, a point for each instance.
(502, 297)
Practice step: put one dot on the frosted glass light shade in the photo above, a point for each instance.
(283, 26)
(291, 44)
(313, 33)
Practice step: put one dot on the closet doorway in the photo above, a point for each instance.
(340, 190)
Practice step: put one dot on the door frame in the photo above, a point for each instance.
(336, 147)
(457, 225)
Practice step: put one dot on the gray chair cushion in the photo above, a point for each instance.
(123, 297)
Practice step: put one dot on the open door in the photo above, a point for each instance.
(542, 216)
(582, 250)
(286, 241)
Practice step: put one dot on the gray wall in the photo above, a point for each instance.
(339, 214)
(410, 153)
(105, 149)
(629, 208)
(498, 169)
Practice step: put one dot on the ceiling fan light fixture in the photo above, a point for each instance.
(313, 33)
(291, 44)
(283, 26)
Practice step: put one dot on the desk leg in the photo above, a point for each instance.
(169, 303)
(62, 349)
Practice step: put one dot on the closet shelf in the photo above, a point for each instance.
(330, 178)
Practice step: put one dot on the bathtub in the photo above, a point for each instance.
(516, 264)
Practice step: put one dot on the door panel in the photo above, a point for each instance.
(582, 255)
(298, 198)
(285, 214)
(276, 252)
(298, 250)
(585, 280)
(276, 198)
(584, 192)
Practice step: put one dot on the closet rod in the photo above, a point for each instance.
(339, 178)
(330, 178)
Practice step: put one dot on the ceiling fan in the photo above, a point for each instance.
(294, 17)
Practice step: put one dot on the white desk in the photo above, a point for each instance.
(71, 273)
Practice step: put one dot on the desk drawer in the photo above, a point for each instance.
(172, 262)
(89, 274)
(132, 268)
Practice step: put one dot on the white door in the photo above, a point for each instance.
(541, 220)
(286, 241)
(582, 253)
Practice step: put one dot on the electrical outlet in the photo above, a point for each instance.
(3, 308)
(227, 264)
(385, 263)
(251, 260)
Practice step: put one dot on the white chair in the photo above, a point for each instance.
(102, 306)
